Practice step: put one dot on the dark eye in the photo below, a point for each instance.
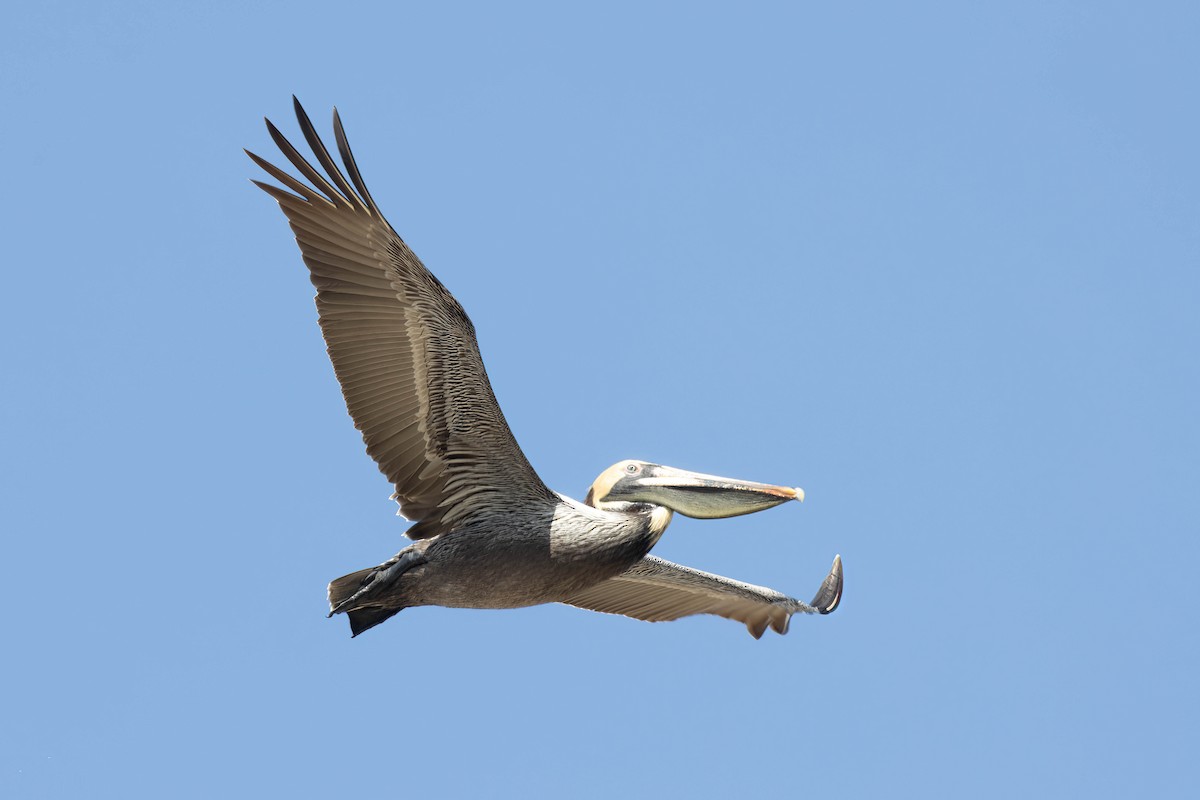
(632, 469)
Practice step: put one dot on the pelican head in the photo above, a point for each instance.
(689, 493)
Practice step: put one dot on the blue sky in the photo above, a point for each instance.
(935, 263)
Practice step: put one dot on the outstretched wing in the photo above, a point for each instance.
(656, 591)
(402, 347)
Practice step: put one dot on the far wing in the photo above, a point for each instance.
(402, 347)
(656, 590)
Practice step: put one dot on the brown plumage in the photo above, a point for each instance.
(489, 533)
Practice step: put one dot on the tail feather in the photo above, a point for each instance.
(344, 587)
(362, 619)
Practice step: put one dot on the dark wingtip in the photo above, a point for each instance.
(830, 594)
(275, 133)
(301, 114)
(351, 166)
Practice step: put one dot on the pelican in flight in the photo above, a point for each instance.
(487, 531)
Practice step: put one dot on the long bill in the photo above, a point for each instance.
(694, 494)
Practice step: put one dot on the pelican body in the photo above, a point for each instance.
(488, 532)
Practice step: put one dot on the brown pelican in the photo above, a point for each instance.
(488, 533)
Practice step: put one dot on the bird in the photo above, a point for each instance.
(486, 531)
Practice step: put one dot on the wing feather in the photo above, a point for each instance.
(402, 347)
